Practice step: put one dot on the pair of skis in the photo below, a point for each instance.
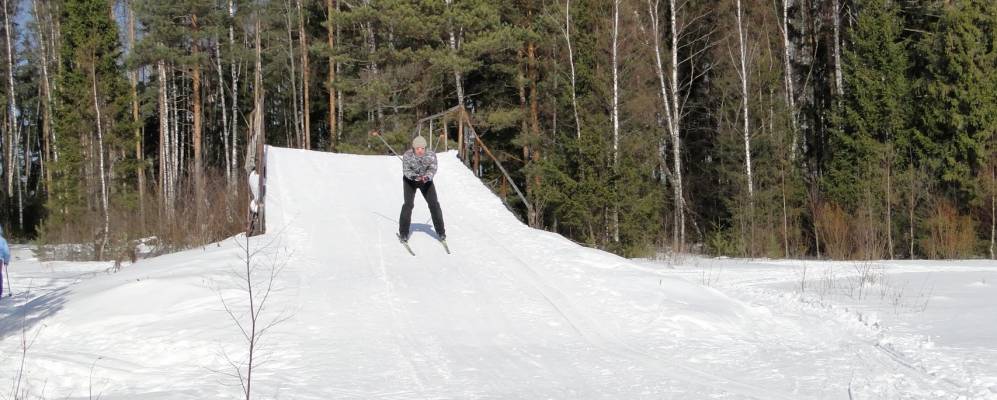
(409, 248)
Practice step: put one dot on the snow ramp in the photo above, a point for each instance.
(513, 312)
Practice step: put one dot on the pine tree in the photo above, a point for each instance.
(961, 112)
(874, 115)
(90, 85)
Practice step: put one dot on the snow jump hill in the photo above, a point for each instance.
(513, 313)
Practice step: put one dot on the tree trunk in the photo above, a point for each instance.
(339, 92)
(47, 144)
(100, 169)
(524, 126)
(47, 131)
(993, 208)
(571, 62)
(911, 205)
(666, 100)
(164, 134)
(176, 137)
(458, 80)
(305, 104)
(234, 158)
(133, 82)
(56, 28)
(839, 82)
(743, 74)
(817, 240)
(785, 214)
(616, 116)
(221, 100)
(12, 106)
(27, 175)
(197, 122)
(993, 205)
(788, 76)
(373, 68)
(532, 75)
(333, 137)
(198, 137)
(679, 230)
(889, 205)
(535, 154)
(294, 79)
(256, 133)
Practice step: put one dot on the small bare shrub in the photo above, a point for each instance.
(950, 234)
(221, 214)
(867, 234)
(833, 226)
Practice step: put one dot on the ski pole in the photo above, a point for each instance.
(378, 134)
(5, 269)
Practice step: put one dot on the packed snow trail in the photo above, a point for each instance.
(512, 313)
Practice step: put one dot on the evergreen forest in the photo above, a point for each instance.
(835, 129)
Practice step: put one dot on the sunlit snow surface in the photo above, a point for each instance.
(513, 313)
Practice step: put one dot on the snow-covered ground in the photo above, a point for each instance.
(932, 324)
(513, 313)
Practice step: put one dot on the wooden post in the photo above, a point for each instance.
(477, 158)
(460, 137)
(504, 188)
(443, 134)
(477, 139)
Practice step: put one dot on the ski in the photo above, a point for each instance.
(404, 243)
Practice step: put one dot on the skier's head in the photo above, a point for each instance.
(419, 145)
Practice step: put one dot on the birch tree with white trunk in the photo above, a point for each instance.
(742, 72)
(839, 85)
(454, 47)
(305, 97)
(226, 151)
(616, 111)
(667, 71)
(100, 150)
(788, 75)
(48, 133)
(234, 126)
(571, 64)
(12, 127)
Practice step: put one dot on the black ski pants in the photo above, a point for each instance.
(429, 193)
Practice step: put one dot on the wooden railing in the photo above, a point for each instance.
(470, 146)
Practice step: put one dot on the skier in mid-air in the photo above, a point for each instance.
(418, 168)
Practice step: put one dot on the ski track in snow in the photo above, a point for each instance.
(513, 313)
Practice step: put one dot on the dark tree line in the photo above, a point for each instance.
(793, 128)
